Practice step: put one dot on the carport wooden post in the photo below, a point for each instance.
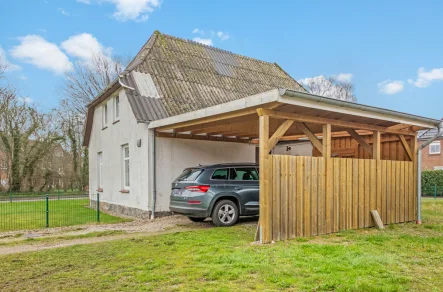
(265, 172)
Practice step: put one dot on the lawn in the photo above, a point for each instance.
(403, 257)
(32, 214)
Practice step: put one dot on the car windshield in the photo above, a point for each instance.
(189, 174)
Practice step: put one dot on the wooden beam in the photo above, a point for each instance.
(377, 219)
(376, 148)
(333, 122)
(279, 133)
(406, 147)
(311, 136)
(360, 140)
(264, 182)
(201, 137)
(326, 144)
(399, 127)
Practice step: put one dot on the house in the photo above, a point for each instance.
(432, 156)
(169, 77)
(180, 103)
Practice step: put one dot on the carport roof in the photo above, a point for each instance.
(238, 119)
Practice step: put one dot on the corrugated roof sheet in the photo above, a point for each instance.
(190, 76)
(426, 134)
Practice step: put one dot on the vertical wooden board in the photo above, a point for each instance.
(393, 199)
(284, 198)
(348, 224)
(392, 148)
(321, 206)
(397, 190)
(336, 200)
(291, 186)
(355, 190)
(388, 191)
(366, 213)
(314, 196)
(416, 194)
(383, 190)
(361, 193)
(343, 195)
(329, 194)
(307, 198)
(294, 196)
(373, 190)
(379, 187)
(402, 191)
(411, 180)
(299, 196)
(406, 190)
(276, 195)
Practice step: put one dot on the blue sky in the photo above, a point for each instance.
(381, 45)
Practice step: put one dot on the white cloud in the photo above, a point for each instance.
(309, 80)
(344, 77)
(64, 12)
(84, 46)
(391, 87)
(25, 99)
(425, 78)
(198, 31)
(138, 10)
(84, 1)
(4, 60)
(223, 36)
(35, 50)
(207, 42)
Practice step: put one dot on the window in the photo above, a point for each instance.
(126, 177)
(100, 170)
(220, 173)
(189, 174)
(244, 173)
(105, 115)
(116, 108)
(434, 147)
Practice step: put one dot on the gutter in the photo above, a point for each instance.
(127, 71)
(432, 139)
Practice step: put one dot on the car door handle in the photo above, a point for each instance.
(238, 188)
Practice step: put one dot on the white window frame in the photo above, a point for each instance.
(105, 115)
(435, 144)
(116, 108)
(100, 170)
(126, 184)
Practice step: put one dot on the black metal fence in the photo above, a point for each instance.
(21, 211)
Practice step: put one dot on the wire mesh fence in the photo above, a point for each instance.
(36, 210)
(432, 191)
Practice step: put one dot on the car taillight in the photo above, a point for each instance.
(201, 189)
(194, 202)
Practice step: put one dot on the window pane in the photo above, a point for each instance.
(127, 172)
(117, 107)
(189, 174)
(245, 173)
(220, 174)
(126, 152)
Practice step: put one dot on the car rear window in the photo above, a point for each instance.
(189, 174)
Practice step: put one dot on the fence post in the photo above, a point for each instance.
(435, 192)
(98, 207)
(47, 210)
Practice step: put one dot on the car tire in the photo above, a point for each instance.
(197, 219)
(225, 213)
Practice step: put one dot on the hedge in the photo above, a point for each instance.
(431, 179)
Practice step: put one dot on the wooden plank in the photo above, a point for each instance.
(411, 180)
(319, 120)
(329, 194)
(336, 202)
(299, 196)
(292, 193)
(373, 190)
(406, 147)
(397, 190)
(307, 198)
(406, 183)
(384, 176)
(361, 193)
(311, 136)
(379, 186)
(279, 133)
(360, 140)
(264, 182)
(321, 218)
(314, 196)
(343, 194)
(366, 214)
(276, 196)
(376, 145)
(355, 175)
(415, 193)
(326, 141)
(393, 192)
(402, 191)
(284, 197)
(349, 181)
(377, 219)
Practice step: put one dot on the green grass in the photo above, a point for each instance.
(32, 215)
(403, 257)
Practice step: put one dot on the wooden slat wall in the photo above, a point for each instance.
(316, 195)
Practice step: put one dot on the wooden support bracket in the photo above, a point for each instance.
(311, 136)
(360, 140)
(406, 147)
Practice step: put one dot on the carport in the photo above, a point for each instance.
(353, 169)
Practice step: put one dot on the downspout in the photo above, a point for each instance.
(420, 148)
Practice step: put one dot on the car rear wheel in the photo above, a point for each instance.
(225, 213)
(197, 219)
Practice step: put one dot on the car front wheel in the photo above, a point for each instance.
(225, 213)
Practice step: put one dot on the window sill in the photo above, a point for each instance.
(104, 128)
(100, 190)
(435, 153)
(124, 191)
(115, 122)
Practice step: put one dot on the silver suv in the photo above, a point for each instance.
(221, 191)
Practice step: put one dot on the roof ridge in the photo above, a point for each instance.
(215, 48)
(287, 74)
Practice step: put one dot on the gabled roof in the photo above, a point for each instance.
(189, 76)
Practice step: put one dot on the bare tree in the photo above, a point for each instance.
(330, 87)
